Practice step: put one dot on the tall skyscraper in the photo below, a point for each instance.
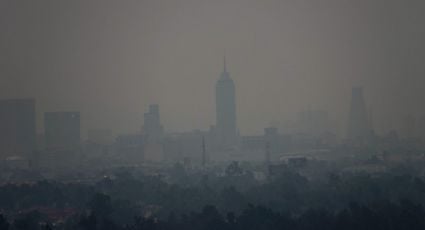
(17, 127)
(359, 128)
(153, 135)
(152, 128)
(225, 109)
(62, 130)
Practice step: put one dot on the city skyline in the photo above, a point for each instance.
(201, 115)
(287, 57)
(344, 133)
(225, 124)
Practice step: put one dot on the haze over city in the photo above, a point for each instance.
(111, 59)
(211, 115)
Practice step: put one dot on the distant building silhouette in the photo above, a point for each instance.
(359, 127)
(178, 146)
(152, 128)
(62, 130)
(62, 140)
(17, 128)
(153, 134)
(226, 130)
(270, 145)
(130, 147)
(271, 137)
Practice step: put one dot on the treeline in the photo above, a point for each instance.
(288, 199)
(289, 192)
(381, 215)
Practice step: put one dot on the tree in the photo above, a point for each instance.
(234, 169)
(101, 205)
(4, 224)
(88, 222)
(27, 221)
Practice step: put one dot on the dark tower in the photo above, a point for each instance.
(62, 130)
(17, 128)
(225, 109)
(359, 129)
(152, 127)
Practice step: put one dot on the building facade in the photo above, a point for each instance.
(17, 128)
(226, 129)
(359, 127)
(62, 130)
(152, 128)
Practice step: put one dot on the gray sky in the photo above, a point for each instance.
(110, 59)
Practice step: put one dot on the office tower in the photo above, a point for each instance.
(359, 128)
(225, 110)
(130, 148)
(17, 128)
(192, 144)
(62, 130)
(152, 128)
(153, 135)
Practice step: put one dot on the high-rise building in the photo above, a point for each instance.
(17, 128)
(271, 138)
(359, 128)
(225, 110)
(62, 130)
(152, 128)
(130, 147)
(153, 133)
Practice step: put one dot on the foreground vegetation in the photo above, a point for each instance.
(390, 200)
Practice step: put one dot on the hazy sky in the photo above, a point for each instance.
(110, 59)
